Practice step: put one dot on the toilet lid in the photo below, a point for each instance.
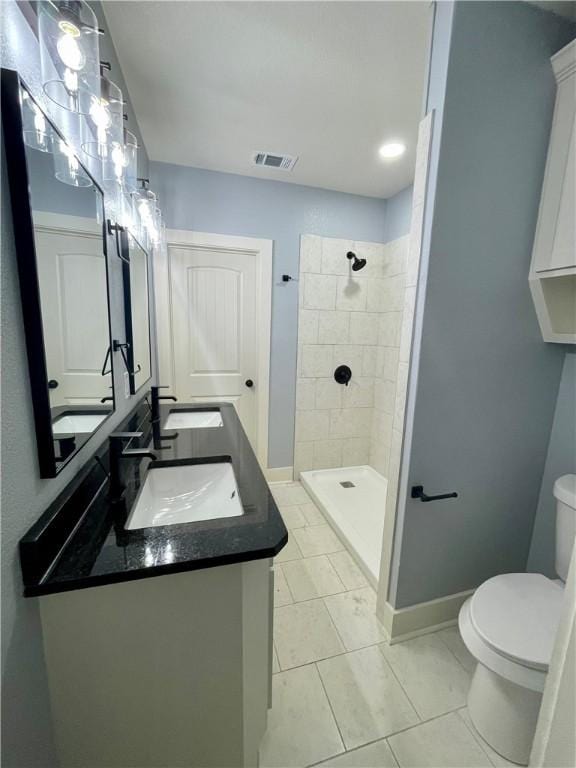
(517, 615)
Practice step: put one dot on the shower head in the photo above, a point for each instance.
(358, 263)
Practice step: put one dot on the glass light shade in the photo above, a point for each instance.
(130, 161)
(162, 245)
(145, 206)
(121, 164)
(67, 168)
(69, 53)
(36, 130)
(102, 128)
(155, 228)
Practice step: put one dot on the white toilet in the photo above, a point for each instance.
(509, 626)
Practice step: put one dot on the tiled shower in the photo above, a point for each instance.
(348, 318)
(363, 319)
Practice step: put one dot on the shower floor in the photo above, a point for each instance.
(353, 500)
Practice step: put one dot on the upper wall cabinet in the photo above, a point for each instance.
(553, 268)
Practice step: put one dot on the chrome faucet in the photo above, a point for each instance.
(118, 452)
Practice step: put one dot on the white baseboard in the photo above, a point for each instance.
(419, 619)
(279, 474)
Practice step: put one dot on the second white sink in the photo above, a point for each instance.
(186, 494)
(77, 423)
(193, 419)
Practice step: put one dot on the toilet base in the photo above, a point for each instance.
(504, 714)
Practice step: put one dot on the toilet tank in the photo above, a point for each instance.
(565, 495)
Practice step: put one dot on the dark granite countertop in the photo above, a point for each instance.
(96, 549)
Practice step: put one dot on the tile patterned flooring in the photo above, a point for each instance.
(343, 697)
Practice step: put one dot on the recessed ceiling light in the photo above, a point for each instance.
(393, 149)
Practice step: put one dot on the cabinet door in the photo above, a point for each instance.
(555, 242)
(563, 248)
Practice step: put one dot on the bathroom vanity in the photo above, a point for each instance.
(158, 632)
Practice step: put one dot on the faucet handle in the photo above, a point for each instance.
(125, 435)
(156, 391)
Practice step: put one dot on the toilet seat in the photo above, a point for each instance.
(508, 632)
(517, 615)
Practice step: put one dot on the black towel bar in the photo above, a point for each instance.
(418, 493)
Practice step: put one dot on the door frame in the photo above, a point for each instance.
(262, 249)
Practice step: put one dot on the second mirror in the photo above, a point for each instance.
(137, 308)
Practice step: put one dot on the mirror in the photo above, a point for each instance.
(58, 212)
(136, 307)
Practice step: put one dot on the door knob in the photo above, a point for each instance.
(249, 383)
(52, 384)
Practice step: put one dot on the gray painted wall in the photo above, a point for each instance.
(560, 460)
(26, 725)
(224, 203)
(487, 383)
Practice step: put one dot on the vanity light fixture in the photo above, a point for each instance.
(392, 150)
(156, 228)
(67, 168)
(130, 160)
(125, 212)
(35, 128)
(120, 166)
(102, 129)
(162, 245)
(68, 35)
(145, 205)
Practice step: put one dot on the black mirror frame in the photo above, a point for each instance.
(125, 256)
(23, 231)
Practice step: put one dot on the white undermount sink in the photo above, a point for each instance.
(193, 419)
(186, 494)
(77, 423)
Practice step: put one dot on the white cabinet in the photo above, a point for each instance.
(553, 268)
(166, 671)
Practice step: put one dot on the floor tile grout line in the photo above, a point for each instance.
(331, 707)
(395, 676)
(422, 722)
(357, 749)
(475, 736)
(278, 660)
(335, 629)
(287, 584)
(352, 650)
(382, 644)
(334, 624)
(331, 564)
(318, 597)
(394, 755)
(394, 733)
(333, 656)
(438, 632)
(348, 589)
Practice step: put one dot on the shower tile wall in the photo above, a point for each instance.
(388, 370)
(353, 319)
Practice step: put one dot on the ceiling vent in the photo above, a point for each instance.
(275, 160)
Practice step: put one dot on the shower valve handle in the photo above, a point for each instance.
(342, 375)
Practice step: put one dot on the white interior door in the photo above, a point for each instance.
(215, 335)
(74, 295)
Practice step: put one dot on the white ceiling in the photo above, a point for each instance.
(212, 82)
